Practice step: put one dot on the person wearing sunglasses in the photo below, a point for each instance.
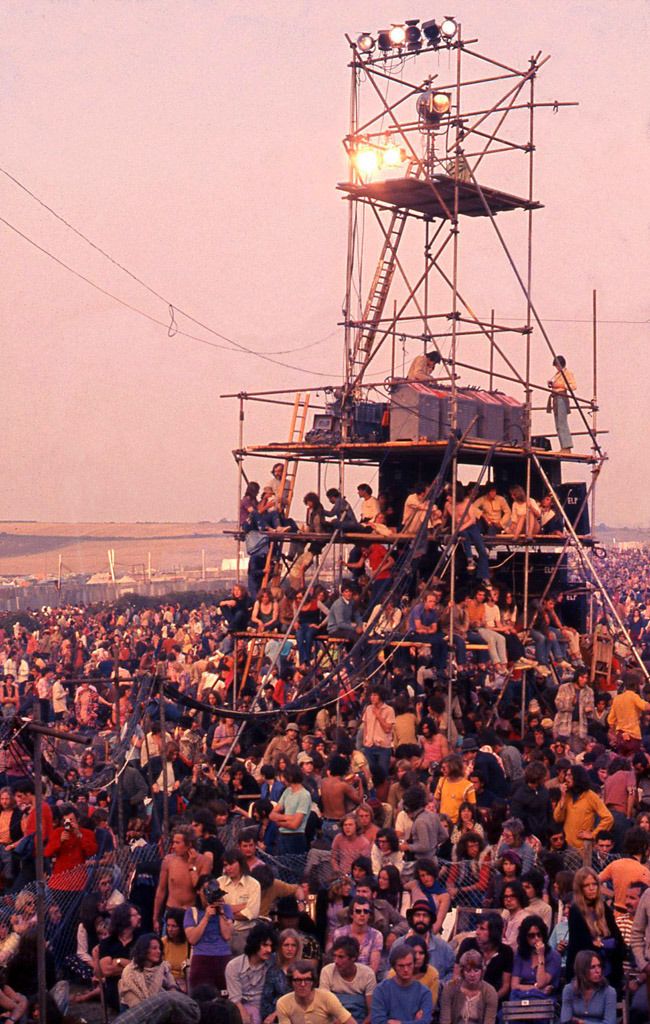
(370, 939)
(306, 1001)
(537, 967)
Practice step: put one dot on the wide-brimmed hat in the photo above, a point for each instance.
(420, 905)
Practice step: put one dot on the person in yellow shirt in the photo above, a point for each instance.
(625, 715)
(453, 788)
(579, 807)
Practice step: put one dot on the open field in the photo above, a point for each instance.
(34, 548)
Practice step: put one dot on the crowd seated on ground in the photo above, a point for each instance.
(466, 826)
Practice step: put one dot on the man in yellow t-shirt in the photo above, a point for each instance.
(305, 1002)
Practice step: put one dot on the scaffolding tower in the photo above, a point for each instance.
(433, 125)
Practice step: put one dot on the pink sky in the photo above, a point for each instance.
(199, 144)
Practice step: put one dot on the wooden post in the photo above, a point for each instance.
(118, 728)
(163, 749)
(40, 873)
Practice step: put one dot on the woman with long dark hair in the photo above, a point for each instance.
(176, 948)
(147, 974)
(514, 901)
(579, 807)
(536, 969)
(389, 886)
(588, 997)
(115, 950)
(592, 926)
(469, 875)
(385, 851)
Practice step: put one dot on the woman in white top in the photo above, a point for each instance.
(526, 514)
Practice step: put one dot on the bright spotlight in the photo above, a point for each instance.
(431, 32)
(366, 161)
(413, 35)
(365, 43)
(397, 35)
(448, 28)
(383, 40)
(393, 155)
(441, 102)
(432, 105)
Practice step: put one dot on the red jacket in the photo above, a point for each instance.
(69, 872)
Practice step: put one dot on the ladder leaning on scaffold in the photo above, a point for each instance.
(286, 488)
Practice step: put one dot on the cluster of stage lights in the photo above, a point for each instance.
(371, 157)
(409, 37)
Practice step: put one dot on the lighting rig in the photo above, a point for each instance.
(408, 37)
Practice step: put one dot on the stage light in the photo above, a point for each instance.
(441, 102)
(366, 160)
(431, 107)
(393, 154)
(383, 40)
(413, 35)
(365, 43)
(397, 35)
(431, 32)
(448, 28)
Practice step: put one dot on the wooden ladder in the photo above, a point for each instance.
(285, 491)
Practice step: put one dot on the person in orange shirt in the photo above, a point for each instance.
(630, 868)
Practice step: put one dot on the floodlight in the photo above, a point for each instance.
(448, 28)
(431, 32)
(397, 35)
(441, 102)
(431, 107)
(366, 161)
(383, 40)
(413, 35)
(365, 43)
(393, 154)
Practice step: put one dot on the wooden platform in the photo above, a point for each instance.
(471, 451)
(435, 199)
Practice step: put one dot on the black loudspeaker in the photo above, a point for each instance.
(541, 565)
(573, 610)
(572, 497)
(541, 442)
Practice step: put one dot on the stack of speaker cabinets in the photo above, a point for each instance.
(415, 413)
(490, 411)
(420, 411)
(514, 420)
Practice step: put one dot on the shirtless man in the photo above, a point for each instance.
(337, 793)
(179, 874)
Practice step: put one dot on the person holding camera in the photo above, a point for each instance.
(209, 930)
(70, 846)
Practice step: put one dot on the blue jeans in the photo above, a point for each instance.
(292, 843)
(470, 537)
(547, 647)
(561, 414)
(305, 638)
(378, 757)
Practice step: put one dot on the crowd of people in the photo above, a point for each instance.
(420, 849)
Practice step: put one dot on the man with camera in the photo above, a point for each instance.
(70, 846)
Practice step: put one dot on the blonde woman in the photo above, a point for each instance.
(592, 926)
(526, 514)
